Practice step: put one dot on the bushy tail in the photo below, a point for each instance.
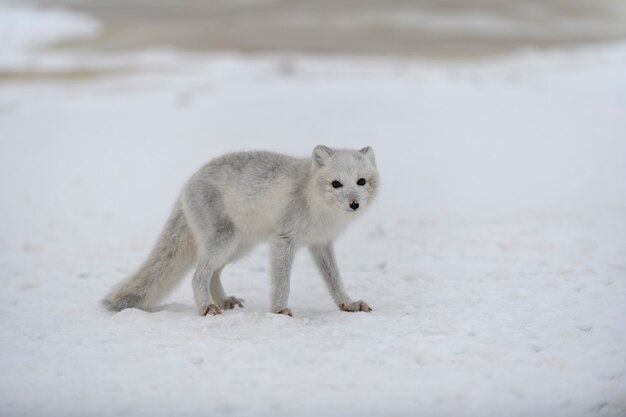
(173, 254)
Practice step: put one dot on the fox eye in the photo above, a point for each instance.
(361, 181)
(337, 184)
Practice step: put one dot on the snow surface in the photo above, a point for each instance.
(24, 29)
(494, 258)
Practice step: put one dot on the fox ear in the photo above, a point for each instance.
(369, 154)
(321, 153)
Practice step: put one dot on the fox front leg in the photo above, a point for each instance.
(283, 252)
(324, 257)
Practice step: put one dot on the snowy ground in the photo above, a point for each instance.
(494, 259)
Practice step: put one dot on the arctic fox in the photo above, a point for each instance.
(240, 199)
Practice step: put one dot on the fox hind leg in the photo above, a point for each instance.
(214, 233)
(220, 296)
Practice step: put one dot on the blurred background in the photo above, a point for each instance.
(449, 29)
(390, 62)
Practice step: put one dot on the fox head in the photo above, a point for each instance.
(345, 180)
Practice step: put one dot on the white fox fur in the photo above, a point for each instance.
(241, 199)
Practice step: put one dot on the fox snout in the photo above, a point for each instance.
(354, 205)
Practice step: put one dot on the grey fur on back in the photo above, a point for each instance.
(240, 199)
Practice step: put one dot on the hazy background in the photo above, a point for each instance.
(423, 28)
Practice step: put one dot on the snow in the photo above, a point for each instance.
(24, 29)
(494, 258)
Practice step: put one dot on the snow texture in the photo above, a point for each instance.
(494, 258)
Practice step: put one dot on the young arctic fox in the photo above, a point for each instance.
(241, 199)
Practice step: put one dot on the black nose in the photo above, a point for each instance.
(354, 205)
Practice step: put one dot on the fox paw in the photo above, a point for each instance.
(211, 310)
(359, 305)
(231, 302)
(286, 311)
